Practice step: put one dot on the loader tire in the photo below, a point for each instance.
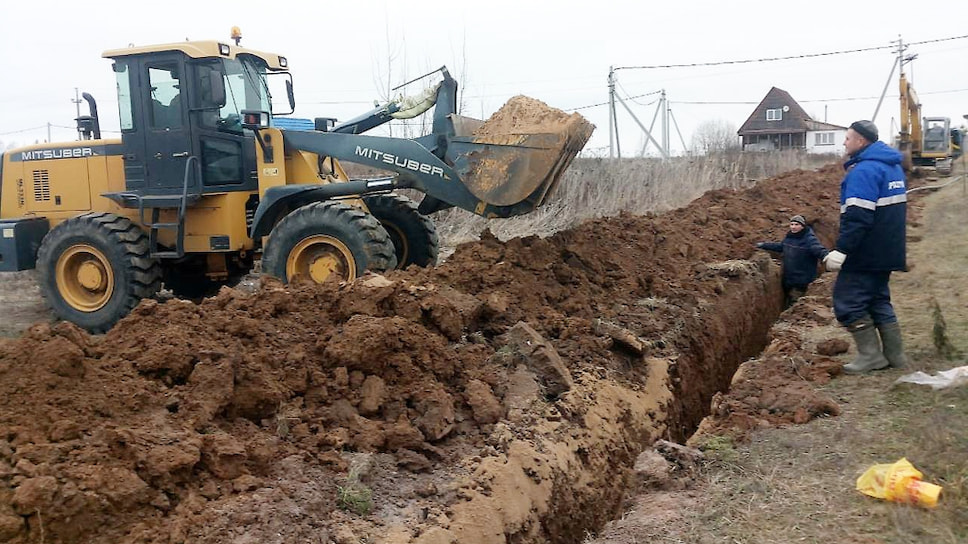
(326, 239)
(414, 235)
(95, 268)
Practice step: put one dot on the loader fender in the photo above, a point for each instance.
(280, 200)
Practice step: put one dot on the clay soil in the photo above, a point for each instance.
(534, 144)
(501, 397)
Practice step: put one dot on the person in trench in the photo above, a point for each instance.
(801, 252)
(871, 245)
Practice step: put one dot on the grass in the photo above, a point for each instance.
(792, 485)
(600, 187)
(355, 496)
(720, 448)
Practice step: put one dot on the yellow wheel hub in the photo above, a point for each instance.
(320, 256)
(85, 279)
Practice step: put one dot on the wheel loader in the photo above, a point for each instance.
(201, 184)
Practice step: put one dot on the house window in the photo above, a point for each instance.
(774, 114)
(823, 138)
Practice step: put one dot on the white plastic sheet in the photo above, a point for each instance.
(942, 380)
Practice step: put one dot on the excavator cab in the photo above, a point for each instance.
(936, 136)
(938, 147)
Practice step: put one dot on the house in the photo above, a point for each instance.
(778, 122)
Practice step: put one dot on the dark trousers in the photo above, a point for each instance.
(861, 294)
(792, 293)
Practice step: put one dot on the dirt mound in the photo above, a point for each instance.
(525, 115)
(243, 418)
(522, 150)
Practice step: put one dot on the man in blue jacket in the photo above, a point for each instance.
(801, 252)
(873, 210)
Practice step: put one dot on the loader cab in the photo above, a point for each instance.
(186, 100)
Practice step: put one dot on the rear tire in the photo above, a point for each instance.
(323, 239)
(95, 268)
(414, 235)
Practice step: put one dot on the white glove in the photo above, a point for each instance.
(834, 260)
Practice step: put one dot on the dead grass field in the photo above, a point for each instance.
(593, 188)
(796, 484)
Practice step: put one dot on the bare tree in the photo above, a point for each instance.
(715, 136)
(394, 69)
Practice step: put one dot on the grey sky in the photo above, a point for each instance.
(558, 52)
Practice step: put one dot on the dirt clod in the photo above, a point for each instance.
(833, 346)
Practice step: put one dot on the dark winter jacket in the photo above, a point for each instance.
(873, 210)
(801, 252)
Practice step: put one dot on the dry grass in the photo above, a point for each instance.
(798, 485)
(593, 188)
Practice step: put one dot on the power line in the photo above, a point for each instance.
(840, 99)
(22, 130)
(631, 98)
(791, 57)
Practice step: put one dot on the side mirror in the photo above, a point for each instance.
(217, 86)
(291, 95)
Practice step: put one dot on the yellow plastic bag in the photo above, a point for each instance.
(898, 482)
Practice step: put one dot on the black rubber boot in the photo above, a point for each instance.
(868, 348)
(893, 345)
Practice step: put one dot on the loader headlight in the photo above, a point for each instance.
(283, 62)
(223, 49)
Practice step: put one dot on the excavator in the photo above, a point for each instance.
(928, 141)
(201, 185)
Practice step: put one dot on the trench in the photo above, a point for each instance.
(734, 329)
(551, 473)
(580, 480)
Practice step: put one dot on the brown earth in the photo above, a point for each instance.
(534, 144)
(503, 396)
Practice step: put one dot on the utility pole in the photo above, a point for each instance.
(612, 128)
(665, 123)
(77, 104)
(898, 62)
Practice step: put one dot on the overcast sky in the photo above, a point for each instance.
(558, 52)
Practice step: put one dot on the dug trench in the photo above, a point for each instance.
(501, 397)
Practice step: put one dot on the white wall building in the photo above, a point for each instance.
(824, 137)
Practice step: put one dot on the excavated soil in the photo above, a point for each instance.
(502, 397)
(525, 115)
(525, 145)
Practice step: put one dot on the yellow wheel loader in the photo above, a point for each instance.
(202, 183)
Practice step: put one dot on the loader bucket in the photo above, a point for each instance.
(519, 154)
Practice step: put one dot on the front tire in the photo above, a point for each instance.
(327, 239)
(95, 268)
(414, 235)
